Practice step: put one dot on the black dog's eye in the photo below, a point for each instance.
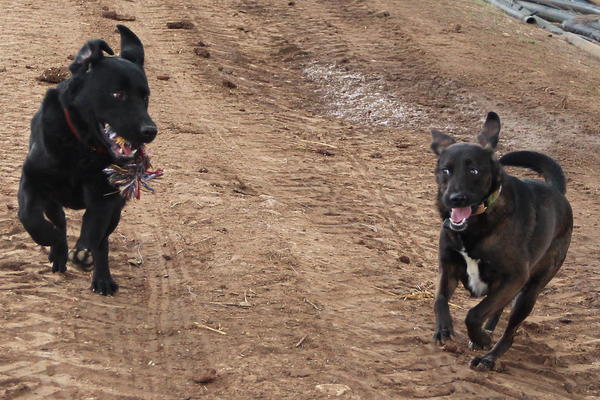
(119, 95)
(446, 171)
(474, 171)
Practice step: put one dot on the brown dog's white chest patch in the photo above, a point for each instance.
(477, 286)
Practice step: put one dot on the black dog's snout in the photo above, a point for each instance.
(458, 200)
(148, 133)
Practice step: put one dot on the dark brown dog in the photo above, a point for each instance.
(504, 238)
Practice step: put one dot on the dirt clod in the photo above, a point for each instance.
(111, 14)
(333, 389)
(201, 52)
(382, 14)
(163, 77)
(206, 376)
(325, 152)
(184, 24)
(229, 84)
(452, 348)
(404, 259)
(54, 75)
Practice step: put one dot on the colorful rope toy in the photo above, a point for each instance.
(133, 176)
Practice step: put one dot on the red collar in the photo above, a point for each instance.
(71, 125)
(75, 132)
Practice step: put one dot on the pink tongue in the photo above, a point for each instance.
(459, 214)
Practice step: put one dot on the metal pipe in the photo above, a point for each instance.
(583, 44)
(514, 9)
(570, 5)
(548, 25)
(548, 13)
(581, 29)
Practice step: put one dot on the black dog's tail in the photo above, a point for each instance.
(540, 163)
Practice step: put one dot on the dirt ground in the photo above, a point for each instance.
(296, 215)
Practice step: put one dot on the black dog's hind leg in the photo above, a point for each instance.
(52, 232)
(99, 221)
(58, 251)
(491, 323)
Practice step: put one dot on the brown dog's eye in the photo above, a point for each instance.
(119, 95)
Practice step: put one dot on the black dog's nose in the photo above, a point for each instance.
(459, 199)
(148, 133)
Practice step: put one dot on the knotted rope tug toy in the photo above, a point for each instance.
(132, 177)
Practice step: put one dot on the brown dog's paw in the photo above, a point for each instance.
(82, 259)
(480, 346)
(483, 342)
(483, 364)
(443, 334)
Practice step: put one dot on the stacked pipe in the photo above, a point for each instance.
(578, 21)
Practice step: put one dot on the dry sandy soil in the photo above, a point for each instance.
(296, 215)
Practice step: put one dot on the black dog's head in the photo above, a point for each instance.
(109, 96)
(467, 174)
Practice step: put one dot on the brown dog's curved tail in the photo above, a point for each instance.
(540, 163)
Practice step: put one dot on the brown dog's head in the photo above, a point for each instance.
(466, 173)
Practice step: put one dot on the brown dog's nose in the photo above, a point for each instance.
(148, 133)
(458, 199)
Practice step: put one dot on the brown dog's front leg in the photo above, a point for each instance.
(445, 289)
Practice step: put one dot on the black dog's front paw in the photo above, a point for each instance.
(104, 286)
(483, 363)
(58, 258)
(82, 259)
(442, 334)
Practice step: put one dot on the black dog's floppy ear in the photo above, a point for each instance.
(131, 46)
(439, 141)
(488, 137)
(90, 53)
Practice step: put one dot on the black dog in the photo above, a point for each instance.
(96, 118)
(502, 237)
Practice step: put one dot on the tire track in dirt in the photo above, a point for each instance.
(276, 224)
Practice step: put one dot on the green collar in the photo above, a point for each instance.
(489, 202)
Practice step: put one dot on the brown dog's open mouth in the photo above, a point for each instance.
(120, 147)
(458, 216)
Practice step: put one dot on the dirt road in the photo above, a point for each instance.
(296, 215)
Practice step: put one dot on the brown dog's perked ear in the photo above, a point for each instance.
(490, 133)
(439, 141)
